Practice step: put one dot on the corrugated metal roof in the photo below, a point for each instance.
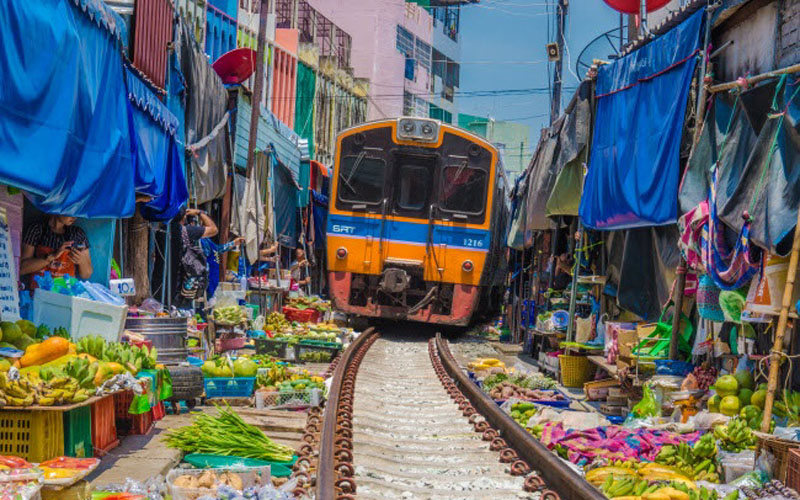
(270, 131)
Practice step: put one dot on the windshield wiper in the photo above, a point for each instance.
(353, 170)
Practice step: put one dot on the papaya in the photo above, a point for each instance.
(49, 350)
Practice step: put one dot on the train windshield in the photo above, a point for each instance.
(463, 190)
(361, 179)
(411, 191)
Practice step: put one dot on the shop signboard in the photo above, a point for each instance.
(9, 295)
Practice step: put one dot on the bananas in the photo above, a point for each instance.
(698, 462)
(28, 390)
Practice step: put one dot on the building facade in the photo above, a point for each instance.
(409, 52)
(512, 139)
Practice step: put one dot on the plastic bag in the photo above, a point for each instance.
(648, 406)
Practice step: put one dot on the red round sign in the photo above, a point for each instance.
(633, 6)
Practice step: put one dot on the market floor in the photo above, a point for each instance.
(143, 457)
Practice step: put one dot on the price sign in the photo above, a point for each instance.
(9, 294)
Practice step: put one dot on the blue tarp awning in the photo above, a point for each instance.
(158, 169)
(271, 131)
(64, 135)
(285, 209)
(634, 163)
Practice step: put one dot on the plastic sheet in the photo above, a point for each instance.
(63, 116)
(641, 102)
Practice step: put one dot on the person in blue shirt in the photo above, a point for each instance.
(212, 252)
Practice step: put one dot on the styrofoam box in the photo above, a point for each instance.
(81, 317)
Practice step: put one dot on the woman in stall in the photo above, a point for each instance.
(57, 246)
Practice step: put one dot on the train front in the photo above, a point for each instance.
(409, 224)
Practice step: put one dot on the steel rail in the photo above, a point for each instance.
(557, 475)
(326, 469)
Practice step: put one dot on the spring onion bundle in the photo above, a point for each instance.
(228, 435)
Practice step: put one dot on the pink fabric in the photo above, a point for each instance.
(610, 442)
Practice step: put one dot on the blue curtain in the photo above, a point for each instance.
(319, 205)
(101, 233)
(641, 103)
(285, 196)
(64, 134)
(158, 169)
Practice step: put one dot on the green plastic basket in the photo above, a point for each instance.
(78, 433)
(277, 469)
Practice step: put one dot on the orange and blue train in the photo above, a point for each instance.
(417, 223)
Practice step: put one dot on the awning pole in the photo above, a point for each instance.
(574, 289)
(795, 68)
(783, 319)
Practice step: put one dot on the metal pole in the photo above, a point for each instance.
(258, 85)
(561, 14)
(777, 349)
(643, 31)
(574, 289)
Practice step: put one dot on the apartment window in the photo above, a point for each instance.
(423, 54)
(408, 104)
(450, 25)
(405, 41)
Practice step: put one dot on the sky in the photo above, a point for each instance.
(499, 34)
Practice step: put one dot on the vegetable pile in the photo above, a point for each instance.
(532, 381)
(507, 390)
(226, 434)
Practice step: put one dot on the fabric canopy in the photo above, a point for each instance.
(64, 132)
(634, 161)
(565, 197)
(156, 156)
(542, 174)
(206, 118)
(285, 204)
(767, 185)
(319, 205)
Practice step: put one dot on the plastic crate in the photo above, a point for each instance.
(288, 400)
(223, 345)
(104, 426)
(78, 432)
(34, 435)
(224, 387)
(122, 403)
(136, 425)
(301, 315)
(270, 347)
(328, 349)
(159, 411)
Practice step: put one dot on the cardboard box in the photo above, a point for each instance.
(627, 340)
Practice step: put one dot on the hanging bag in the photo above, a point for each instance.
(193, 268)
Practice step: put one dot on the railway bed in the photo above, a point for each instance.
(402, 421)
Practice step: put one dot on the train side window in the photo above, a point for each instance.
(411, 191)
(361, 179)
(463, 189)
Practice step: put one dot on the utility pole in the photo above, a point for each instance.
(258, 85)
(561, 16)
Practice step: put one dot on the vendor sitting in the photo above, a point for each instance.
(562, 276)
(298, 268)
(56, 246)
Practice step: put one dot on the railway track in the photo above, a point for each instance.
(402, 421)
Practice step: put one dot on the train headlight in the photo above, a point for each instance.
(417, 129)
(341, 253)
(467, 266)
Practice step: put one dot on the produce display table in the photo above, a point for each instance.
(601, 362)
(89, 401)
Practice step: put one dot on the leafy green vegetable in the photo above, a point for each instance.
(226, 434)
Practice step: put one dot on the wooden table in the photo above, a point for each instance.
(73, 406)
(605, 365)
